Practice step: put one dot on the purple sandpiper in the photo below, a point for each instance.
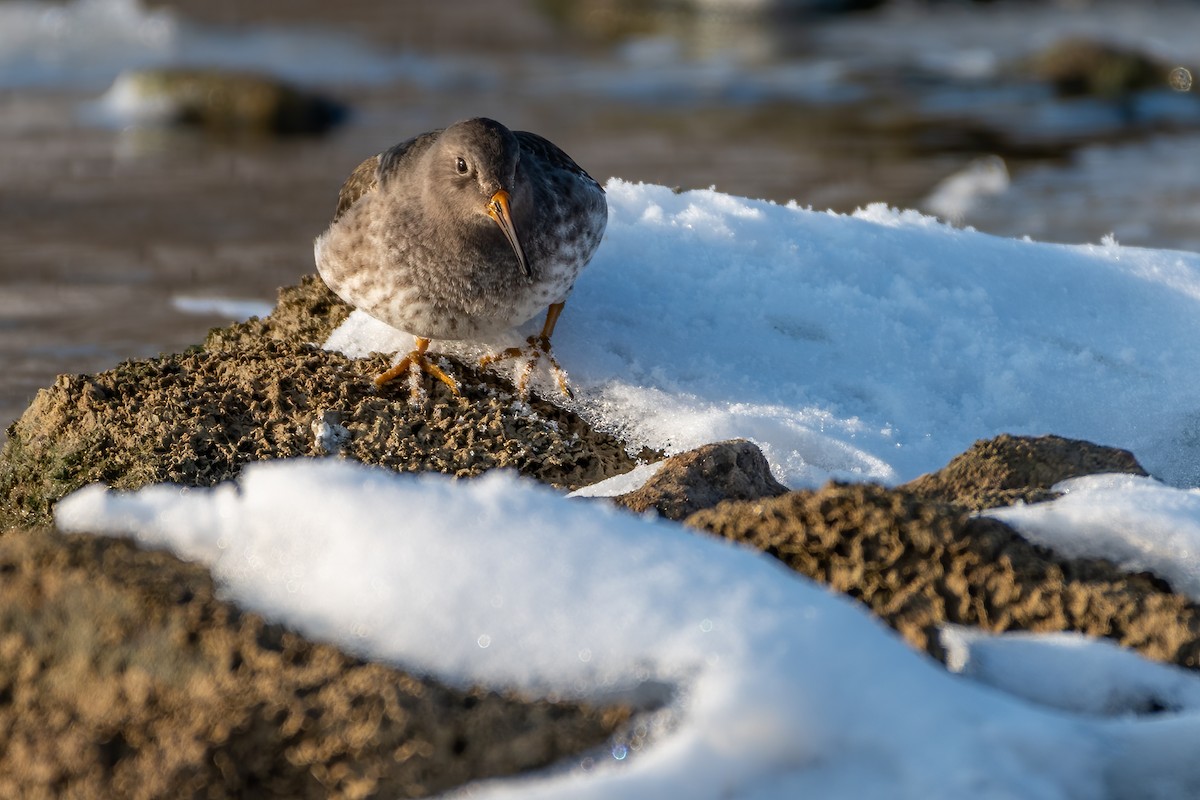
(463, 233)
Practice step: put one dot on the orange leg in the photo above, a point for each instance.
(417, 358)
(537, 346)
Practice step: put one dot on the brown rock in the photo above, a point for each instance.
(228, 102)
(1078, 66)
(122, 675)
(701, 478)
(1007, 469)
(259, 391)
(919, 564)
(305, 313)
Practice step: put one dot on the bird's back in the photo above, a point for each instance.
(368, 175)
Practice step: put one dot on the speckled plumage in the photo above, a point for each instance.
(412, 242)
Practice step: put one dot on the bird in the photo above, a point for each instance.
(463, 233)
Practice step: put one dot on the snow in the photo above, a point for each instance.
(872, 346)
(235, 309)
(778, 688)
(1070, 671)
(630, 481)
(1133, 521)
(959, 194)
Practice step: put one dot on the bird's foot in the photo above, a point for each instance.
(414, 364)
(532, 352)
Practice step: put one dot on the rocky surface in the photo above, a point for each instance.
(264, 390)
(1012, 469)
(919, 564)
(702, 478)
(121, 674)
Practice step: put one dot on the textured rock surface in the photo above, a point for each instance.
(919, 564)
(305, 313)
(261, 390)
(121, 675)
(701, 478)
(1008, 469)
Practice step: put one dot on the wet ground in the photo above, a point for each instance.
(113, 238)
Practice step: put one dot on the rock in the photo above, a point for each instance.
(919, 564)
(1078, 66)
(774, 8)
(304, 314)
(220, 101)
(702, 478)
(1010, 469)
(262, 390)
(123, 675)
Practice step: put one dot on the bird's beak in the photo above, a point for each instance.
(498, 210)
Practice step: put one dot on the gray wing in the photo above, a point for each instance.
(364, 179)
(368, 175)
(551, 154)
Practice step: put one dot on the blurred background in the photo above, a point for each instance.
(165, 165)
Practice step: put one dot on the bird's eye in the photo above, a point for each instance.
(460, 164)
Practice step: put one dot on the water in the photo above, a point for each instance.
(120, 243)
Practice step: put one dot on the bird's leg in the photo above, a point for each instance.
(537, 346)
(417, 359)
(543, 343)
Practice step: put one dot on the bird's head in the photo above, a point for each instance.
(477, 159)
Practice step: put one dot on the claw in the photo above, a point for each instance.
(417, 360)
(536, 347)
